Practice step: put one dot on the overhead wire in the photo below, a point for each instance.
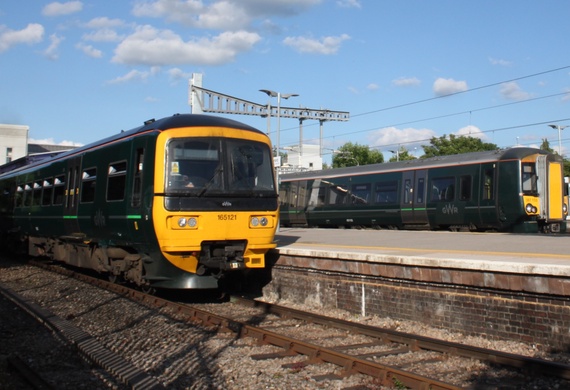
(453, 114)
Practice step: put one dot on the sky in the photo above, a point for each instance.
(406, 71)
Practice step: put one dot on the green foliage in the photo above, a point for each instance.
(444, 145)
(402, 155)
(350, 155)
(546, 146)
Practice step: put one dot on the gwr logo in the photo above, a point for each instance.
(450, 209)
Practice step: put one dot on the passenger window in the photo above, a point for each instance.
(19, 198)
(488, 188)
(28, 195)
(420, 191)
(386, 192)
(88, 181)
(337, 194)
(443, 189)
(37, 194)
(407, 191)
(116, 181)
(137, 184)
(360, 193)
(58, 190)
(465, 185)
(47, 192)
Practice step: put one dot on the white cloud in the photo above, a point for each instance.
(103, 35)
(443, 87)
(33, 33)
(221, 14)
(349, 3)
(406, 82)
(104, 22)
(500, 62)
(149, 46)
(372, 87)
(472, 131)
(51, 52)
(176, 75)
(512, 91)
(133, 75)
(58, 9)
(407, 137)
(326, 45)
(89, 50)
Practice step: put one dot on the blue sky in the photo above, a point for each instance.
(78, 71)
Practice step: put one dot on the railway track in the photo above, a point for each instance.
(299, 340)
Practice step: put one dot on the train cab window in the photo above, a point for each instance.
(386, 192)
(443, 189)
(360, 194)
(47, 192)
(529, 179)
(19, 198)
(58, 190)
(465, 185)
(488, 184)
(88, 180)
(28, 194)
(116, 181)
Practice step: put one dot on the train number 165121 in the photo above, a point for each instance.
(227, 217)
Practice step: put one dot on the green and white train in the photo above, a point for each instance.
(517, 189)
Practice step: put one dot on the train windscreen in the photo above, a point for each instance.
(215, 166)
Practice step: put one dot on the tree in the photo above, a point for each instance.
(444, 145)
(546, 146)
(402, 155)
(350, 155)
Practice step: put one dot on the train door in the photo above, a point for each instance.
(550, 182)
(297, 201)
(413, 197)
(487, 201)
(71, 200)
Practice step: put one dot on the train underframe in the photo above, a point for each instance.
(218, 262)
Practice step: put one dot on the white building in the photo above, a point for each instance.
(308, 159)
(13, 142)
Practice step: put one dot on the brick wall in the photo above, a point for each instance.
(472, 310)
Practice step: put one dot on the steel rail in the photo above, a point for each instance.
(416, 342)
(350, 365)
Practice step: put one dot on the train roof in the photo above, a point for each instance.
(515, 153)
(171, 122)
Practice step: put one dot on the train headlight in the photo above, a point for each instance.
(184, 222)
(565, 208)
(530, 209)
(259, 222)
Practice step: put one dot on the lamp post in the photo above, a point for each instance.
(279, 95)
(559, 128)
(397, 153)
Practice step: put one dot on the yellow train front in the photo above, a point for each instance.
(180, 202)
(214, 207)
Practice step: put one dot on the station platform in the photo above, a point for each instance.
(506, 286)
(530, 254)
